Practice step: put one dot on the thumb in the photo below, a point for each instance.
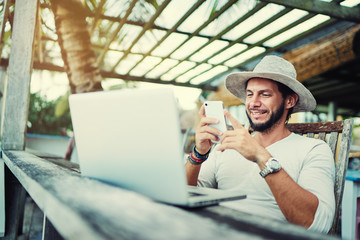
(234, 122)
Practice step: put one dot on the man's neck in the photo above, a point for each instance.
(272, 135)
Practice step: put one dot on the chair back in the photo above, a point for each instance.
(338, 135)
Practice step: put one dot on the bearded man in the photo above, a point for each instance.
(296, 179)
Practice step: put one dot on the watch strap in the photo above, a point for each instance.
(267, 169)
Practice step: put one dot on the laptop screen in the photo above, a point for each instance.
(131, 138)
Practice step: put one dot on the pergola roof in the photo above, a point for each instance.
(195, 43)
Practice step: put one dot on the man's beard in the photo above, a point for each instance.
(274, 118)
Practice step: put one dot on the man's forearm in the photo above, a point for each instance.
(192, 173)
(297, 204)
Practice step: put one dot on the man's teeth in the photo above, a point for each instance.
(258, 113)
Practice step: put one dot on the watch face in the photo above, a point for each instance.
(275, 165)
(271, 166)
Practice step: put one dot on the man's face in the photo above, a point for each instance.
(264, 104)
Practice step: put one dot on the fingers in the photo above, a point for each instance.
(208, 121)
(235, 139)
(202, 111)
(208, 132)
(234, 122)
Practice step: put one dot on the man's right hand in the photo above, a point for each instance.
(204, 133)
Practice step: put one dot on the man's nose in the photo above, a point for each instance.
(255, 102)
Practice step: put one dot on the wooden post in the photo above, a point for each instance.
(2, 167)
(15, 197)
(16, 104)
(3, 75)
(2, 198)
(49, 232)
(17, 90)
(332, 111)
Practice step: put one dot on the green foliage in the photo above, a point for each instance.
(42, 118)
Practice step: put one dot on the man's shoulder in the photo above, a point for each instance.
(300, 140)
(298, 137)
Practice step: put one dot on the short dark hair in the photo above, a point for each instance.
(285, 92)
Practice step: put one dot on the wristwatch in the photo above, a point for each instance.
(272, 165)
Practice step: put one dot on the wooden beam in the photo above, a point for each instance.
(115, 33)
(240, 40)
(325, 54)
(257, 8)
(312, 59)
(50, 67)
(168, 33)
(146, 27)
(197, 31)
(157, 80)
(97, 13)
(19, 74)
(331, 9)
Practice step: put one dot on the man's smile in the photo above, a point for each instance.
(256, 113)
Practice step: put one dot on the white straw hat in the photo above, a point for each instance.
(279, 70)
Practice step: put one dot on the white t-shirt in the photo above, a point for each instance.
(308, 161)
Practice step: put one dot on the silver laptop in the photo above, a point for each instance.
(132, 138)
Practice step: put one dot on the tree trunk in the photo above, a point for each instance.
(74, 40)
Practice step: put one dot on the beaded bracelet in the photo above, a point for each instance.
(201, 156)
(198, 158)
(193, 160)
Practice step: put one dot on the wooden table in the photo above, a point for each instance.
(83, 208)
(349, 205)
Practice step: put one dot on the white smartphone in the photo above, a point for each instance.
(215, 109)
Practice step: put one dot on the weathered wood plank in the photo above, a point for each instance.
(3, 73)
(98, 210)
(333, 140)
(101, 211)
(2, 173)
(19, 73)
(14, 211)
(49, 232)
(322, 136)
(341, 167)
(310, 135)
(316, 127)
(2, 198)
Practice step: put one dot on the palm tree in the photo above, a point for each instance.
(77, 54)
(74, 40)
(80, 61)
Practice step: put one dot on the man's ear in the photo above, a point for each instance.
(291, 100)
